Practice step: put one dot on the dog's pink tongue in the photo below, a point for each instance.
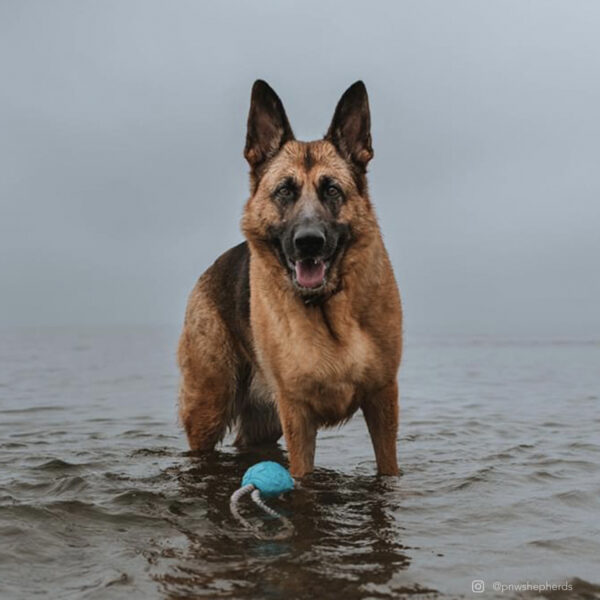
(309, 273)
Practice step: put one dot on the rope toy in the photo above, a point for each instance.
(266, 479)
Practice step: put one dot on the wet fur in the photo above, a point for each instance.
(257, 354)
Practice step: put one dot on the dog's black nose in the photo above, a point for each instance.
(309, 240)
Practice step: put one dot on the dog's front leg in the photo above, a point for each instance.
(300, 432)
(381, 414)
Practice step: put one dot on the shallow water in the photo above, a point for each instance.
(499, 448)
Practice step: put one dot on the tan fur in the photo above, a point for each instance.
(324, 362)
(207, 366)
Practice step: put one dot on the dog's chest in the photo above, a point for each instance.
(316, 357)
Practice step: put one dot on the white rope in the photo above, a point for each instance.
(233, 504)
(288, 528)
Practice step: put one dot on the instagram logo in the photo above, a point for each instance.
(478, 586)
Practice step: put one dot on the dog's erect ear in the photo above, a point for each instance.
(350, 129)
(268, 125)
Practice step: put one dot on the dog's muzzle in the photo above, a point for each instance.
(309, 267)
(309, 249)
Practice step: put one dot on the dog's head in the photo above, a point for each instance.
(309, 200)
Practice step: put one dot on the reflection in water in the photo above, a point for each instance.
(346, 537)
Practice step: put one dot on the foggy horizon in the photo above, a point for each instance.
(123, 178)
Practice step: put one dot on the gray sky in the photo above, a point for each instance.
(122, 125)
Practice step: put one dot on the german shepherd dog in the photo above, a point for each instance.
(300, 325)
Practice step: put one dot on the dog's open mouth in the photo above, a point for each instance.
(310, 272)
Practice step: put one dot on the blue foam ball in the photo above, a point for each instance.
(269, 477)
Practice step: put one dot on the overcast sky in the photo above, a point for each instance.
(122, 125)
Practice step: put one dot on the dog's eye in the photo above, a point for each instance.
(285, 193)
(331, 191)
